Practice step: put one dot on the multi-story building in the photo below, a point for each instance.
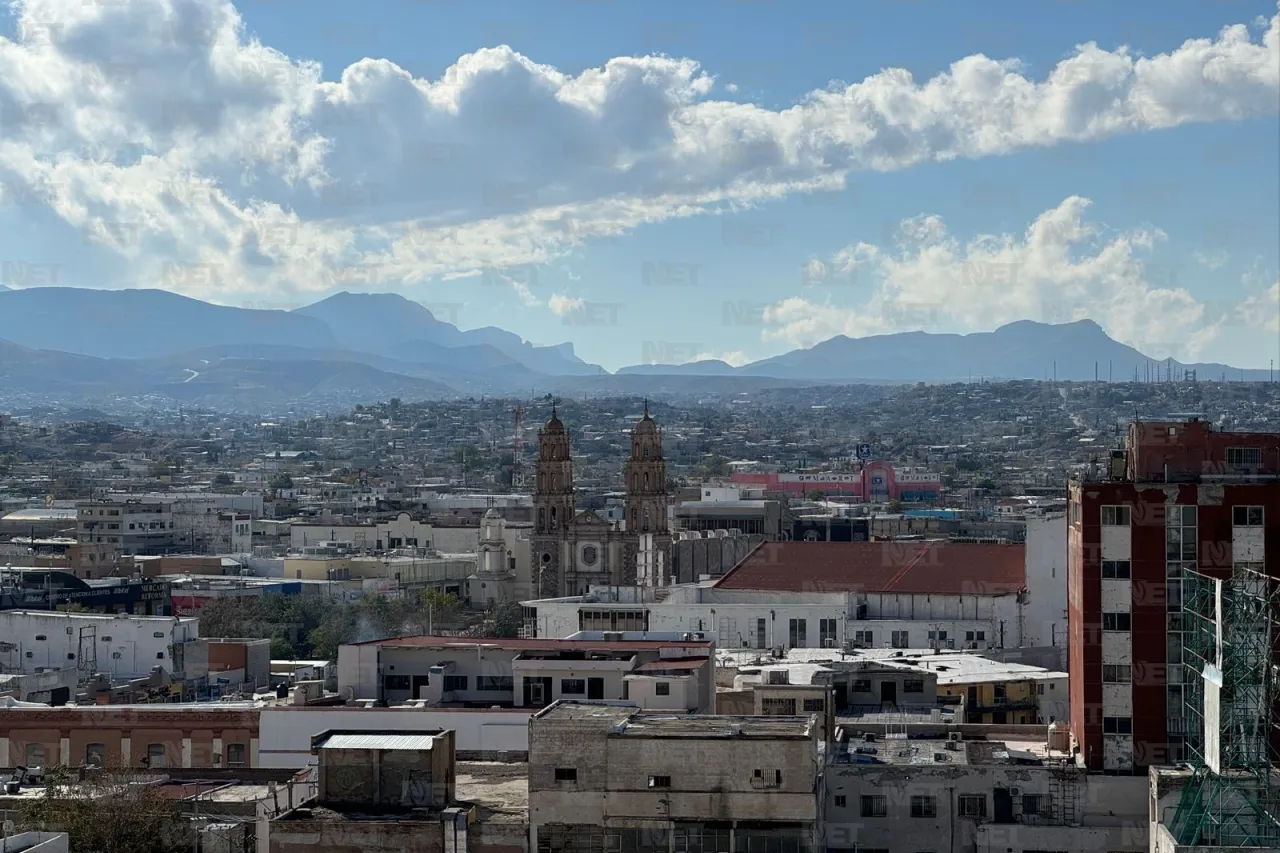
(108, 530)
(604, 777)
(655, 672)
(1178, 496)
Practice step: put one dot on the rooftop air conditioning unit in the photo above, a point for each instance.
(955, 737)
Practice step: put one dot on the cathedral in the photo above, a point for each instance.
(575, 550)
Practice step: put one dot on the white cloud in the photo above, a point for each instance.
(1064, 267)
(161, 128)
(734, 358)
(1262, 310)
(563, 306)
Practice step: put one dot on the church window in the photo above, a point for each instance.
(542, 518)
(646, 481)
(635, 482)
(553, 516)
(646, 519)
(542, 481)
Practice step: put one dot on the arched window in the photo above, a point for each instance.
(635, 518)
(542, 481)
(646, 519)
(542, 519)
(95, 754)
(35, 755)
(646, 481)
(553, 517)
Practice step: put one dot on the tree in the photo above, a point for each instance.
(894, 506)
(817, 495)
(281, 481)
(505, 620)
(223, 480)
(111, 813)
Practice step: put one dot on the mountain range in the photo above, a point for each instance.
(82, 345)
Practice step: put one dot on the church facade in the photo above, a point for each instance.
(575, 550)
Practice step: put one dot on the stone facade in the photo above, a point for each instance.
(575, 550)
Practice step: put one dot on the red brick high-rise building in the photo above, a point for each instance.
(1180, 495)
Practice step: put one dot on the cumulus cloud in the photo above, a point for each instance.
(216, 165)
(1261, 310)
(563, 306)
(1063, 267)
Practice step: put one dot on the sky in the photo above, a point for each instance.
(661, 182)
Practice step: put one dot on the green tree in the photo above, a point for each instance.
(505, 620)
(222, 481)
(817, 495)
(112, 813)
(281, 481)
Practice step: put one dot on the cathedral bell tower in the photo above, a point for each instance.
(553, 506)
(646, 481)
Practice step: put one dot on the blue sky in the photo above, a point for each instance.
(1142, 194)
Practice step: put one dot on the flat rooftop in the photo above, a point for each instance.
(534, 645)
(627, 721)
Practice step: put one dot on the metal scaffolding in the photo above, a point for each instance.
(1231, 627)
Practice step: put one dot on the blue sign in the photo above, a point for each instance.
(864, 451)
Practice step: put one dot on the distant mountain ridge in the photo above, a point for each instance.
(1025, 349)
(87, 344)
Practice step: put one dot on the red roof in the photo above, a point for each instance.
(942, 567)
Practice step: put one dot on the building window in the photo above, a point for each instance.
(1117, 725)
(1035, 804)
(1115, 621)
(863, 638)
(899, 640)
(35, 755)
(659, 781)
(814, 706)
(159, 655)
(566, 774)
(1244, 457)
(1246, 516)
(827, 633)
(1115, 570)
(972, 805)
(841, 801)
(924, 806)
(862, 685)
(773, 706)
(235, 755)
(799, 640)
(455, 682)
(95, 754)
(1115, 516)
(874, 805)
(395, 682)
(155, 755)
(913, 685)
(573, 686)
(41, 637)
(496, 683)
(662, 688)
(1116, 673)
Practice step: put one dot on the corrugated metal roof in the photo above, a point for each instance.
(378, 741)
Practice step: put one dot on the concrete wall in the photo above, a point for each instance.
(126, 646)
(1113, 809)
(1045, 611)
(286, 732)
(712, 778)
(715, 555)
(357, 836)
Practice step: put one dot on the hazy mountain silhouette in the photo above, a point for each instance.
(142, 323)
(388, 324)
(1021, 350)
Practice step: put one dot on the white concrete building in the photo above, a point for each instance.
(604, 777)
(909, 795)
(121, 645)
(671, 673)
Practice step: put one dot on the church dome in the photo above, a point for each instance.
(493, 513)
(646, 425)
(553, 425)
